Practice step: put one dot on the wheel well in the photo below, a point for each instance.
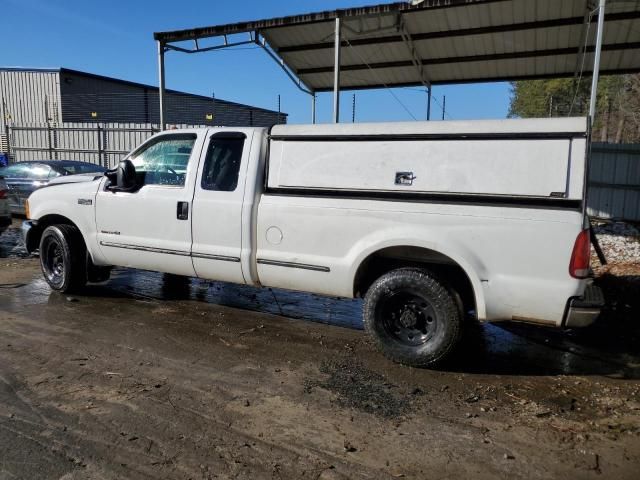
(33, 241)
(445, 268)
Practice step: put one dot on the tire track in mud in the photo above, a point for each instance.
(116, 406)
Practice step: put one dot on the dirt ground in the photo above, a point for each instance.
(150, 376)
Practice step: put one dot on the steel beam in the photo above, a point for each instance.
(296, 81)
(336, 70)
(208, 49)
(596, 62)
(311, 18)
(465, 32)
(510, 78)
(554, 52)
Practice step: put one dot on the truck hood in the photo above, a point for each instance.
(81, 177)
(63, 198)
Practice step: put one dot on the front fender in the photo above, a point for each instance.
(72, 201)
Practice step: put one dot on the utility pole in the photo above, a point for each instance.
(279, 107)
(353, 110)
(213, 99)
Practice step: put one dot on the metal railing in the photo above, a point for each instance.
(102, 144)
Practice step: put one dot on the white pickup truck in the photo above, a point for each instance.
(428, 221)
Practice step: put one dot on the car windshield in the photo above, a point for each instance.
(40, 171)
(27, 171)
(77, 168)
(18, 170)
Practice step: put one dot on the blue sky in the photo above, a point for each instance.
(115, 38)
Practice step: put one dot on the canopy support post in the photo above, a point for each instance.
(429, 103)
(596, 63)
(161, 87)
(336, 71)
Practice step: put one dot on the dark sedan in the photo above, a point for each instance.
(24, 178)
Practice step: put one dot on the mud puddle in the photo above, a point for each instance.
(358, 387)
(11, 245)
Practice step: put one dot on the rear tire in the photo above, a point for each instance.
(63, 258)
(412, 317)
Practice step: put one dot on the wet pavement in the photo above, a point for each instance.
(154, 376)
(506, 348)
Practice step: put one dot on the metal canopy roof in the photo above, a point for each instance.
(440, 42)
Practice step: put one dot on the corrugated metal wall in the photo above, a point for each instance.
(34, 102)
(88, 98)
(29, 96)
(614, 182)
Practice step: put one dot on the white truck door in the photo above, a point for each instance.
(151, 228)
(217, 207)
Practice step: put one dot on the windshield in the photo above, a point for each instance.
(77, 168)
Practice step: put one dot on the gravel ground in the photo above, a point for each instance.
(620, 241)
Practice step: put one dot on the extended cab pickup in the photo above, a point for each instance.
(428, 222)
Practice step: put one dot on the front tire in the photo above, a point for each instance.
(412, 317)
(63, 258)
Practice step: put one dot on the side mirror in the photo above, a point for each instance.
(123, 177)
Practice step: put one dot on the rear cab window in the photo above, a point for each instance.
(222, 164)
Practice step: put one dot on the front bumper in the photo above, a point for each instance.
(583, 311)
(26, 228)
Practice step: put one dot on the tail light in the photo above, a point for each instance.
(581, 256)
(3, 194)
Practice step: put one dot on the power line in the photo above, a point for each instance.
(433, 98)
(382, 82)
(584, 57)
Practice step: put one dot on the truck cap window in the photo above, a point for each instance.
(222, 166)
(165, 161)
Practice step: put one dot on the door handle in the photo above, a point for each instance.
(183, 211)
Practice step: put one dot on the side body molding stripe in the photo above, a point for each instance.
(180, 253)
(302, 266)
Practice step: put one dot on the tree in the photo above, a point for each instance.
(618, 109)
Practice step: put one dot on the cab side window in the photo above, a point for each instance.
(165, 161)
(222, 165)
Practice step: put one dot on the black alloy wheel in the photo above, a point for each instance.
(413, 317)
